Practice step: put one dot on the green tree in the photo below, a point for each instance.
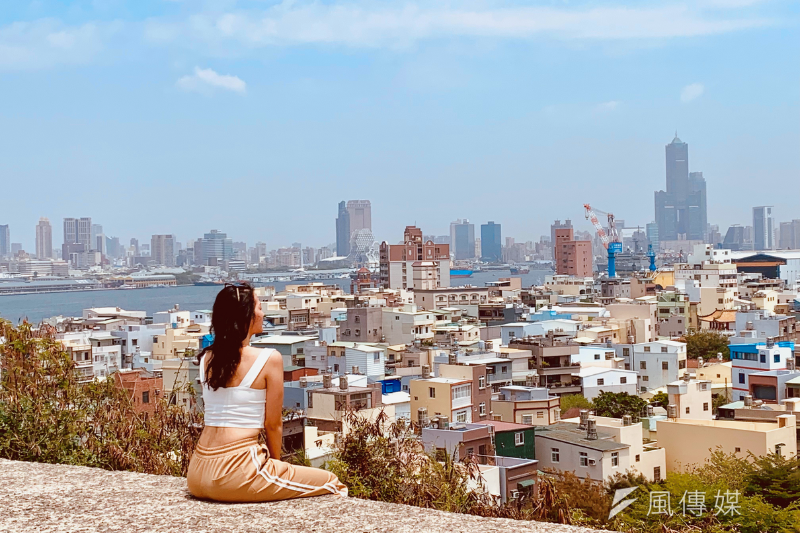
(706, 344)
(618, 404)
(568, 401)
(775, 478)
(661, 399)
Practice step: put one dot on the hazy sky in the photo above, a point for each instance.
(257, 117)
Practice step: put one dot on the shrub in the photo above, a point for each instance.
(47, 415)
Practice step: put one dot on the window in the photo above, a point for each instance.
(681, 364)
(482, 409)
(643, 389)
(687, 410)
(657, 474)
(643, 365)
(135, 342)
(146, 397)
(776, 358)
(626, 352)
(555, 456)
(645, 378)
(313, 357)
(504, 369)
(431, 392)
(741, 377)
(627, 366)
(584, 459)
(310, 400)
(462, 391)
(527, 419)
(461, 417)
(763, 358)
(600, 382)
(638, 457)
(377, 357)
(519, 438)
(539, 414)
(705, 406)
(482, 449)
(664, 365)
(615, 459)
(623, 380)
(597, 357)
(647, 349)
(470, 451)
(663, 349)
(737, 450)
(335, 368)
(481, 382)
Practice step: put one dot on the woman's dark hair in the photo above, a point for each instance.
(231, 318)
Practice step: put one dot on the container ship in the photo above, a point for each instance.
(460, 273)
(520, 270)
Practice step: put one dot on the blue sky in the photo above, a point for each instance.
(256, 117)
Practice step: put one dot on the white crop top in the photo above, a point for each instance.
(240, 406)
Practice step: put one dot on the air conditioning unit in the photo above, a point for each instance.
(592, 462)
(514, 494)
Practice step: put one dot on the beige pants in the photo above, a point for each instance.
(242, 471)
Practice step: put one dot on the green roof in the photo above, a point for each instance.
(293, 368)
(526, 483)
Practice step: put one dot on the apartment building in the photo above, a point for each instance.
(599, 447)
(137, 338)
(528, 405)
(97, 354)
(397, 260)
(595, 380)
(361, 324)
(687, 441)
(657, 363)
(552, 359)
(450, 397)
(481, 389)
(691, 398)
(404, 325)
(748, 359)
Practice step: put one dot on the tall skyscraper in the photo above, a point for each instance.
(162, 250)
(217, 248)
(77, 231)
(44, 239)
(360, 215)
(5, 240)
(462, 239)
(97, 229)
(763, 228)
(491, 242)
(681, 209)
(790, 235)
(135, 246)
(343, 231)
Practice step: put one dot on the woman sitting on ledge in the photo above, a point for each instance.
(243, 393)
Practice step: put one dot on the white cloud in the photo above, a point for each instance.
(692, 92)
(46, 43)
(206, 81)
(363, 24)
(607, 106)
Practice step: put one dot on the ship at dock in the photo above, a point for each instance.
(520, 270)
(460, 273)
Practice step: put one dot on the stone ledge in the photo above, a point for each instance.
(59, 498)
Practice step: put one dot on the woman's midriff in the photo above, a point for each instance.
(219, 436)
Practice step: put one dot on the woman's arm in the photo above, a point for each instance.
(273, 421)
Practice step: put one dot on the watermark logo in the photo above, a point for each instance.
(693, 503)
(618, 495)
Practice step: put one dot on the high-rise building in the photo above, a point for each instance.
(162, 250)
(763, 228)
(360, 215)
(343, 231)
(135, 246)
(651, 228)
(790, 235)
(44, 239)
(5, 240)
(77, 231)
(97, 229)
(681, 209)
(555, 229)
(571, 257)
(462, 239)
(217, 248)
(397, 260)
(491, 242)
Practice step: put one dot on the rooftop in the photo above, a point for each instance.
(281, 339)
(43, 497)
(569, 433)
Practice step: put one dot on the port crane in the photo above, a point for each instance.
(611, 240)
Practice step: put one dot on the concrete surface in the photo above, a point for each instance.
(37, 497)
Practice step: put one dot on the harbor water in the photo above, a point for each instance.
(36, 307)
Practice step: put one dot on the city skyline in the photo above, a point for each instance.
(239, 120)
